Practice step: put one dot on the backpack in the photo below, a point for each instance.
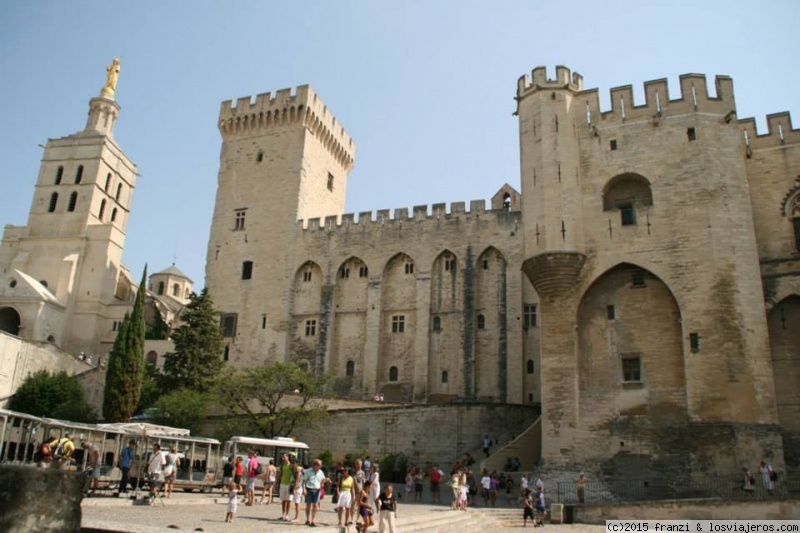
(59, 451)
(260, 469)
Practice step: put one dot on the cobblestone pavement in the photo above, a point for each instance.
(206, 512)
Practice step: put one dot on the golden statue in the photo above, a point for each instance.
(112, 74)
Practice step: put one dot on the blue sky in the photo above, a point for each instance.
(426, 88)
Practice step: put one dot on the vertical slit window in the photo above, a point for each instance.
(79, 174)
(73, 200)
(59, 175)
(53, 202)
(247, 270)
(102, 209)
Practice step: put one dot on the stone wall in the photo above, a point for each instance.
(44, 500)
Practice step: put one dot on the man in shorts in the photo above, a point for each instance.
(286, 479)
(93, 462)
(312, 481)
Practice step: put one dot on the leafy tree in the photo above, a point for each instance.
(126, 363)
(152, 388)
(159, 329)
(183, 408)
(196, 361)
(53, 395)
(274, 399)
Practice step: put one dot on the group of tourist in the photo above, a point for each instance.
(356, 492)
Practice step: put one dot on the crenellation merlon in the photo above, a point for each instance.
(400, 215)
(303, 107)
(538, 80)
(779, 132)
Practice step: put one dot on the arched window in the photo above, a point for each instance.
(627, 193)
(108, 181)
(102, 209)
(437, 323)
(53, 202)
(152, 358)
(73, 199)
(59, 175)
(119, 191)
(113, 214)
(176, 290)
(79, 174)
(160, 287)
(530, 366)
(481, 322)
(506, 201)
(350, 368)
(227, 354)
(393, 374)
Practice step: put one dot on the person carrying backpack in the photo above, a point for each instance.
(62, 450)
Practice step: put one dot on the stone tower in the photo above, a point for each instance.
(639, 240)
(62, 278)
(284, 158)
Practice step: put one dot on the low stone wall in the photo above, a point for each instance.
(44, 500)
(688, 510)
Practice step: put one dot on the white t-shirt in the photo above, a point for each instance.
(523, 483)
(486, 482)
(155, 463)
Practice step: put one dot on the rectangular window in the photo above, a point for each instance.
(529, 311)
(247, 270)
(228, 324)
(330, 181)
(613, 144)
(263, 321)
(796, 225)
(409, 268)
(398, 324)
(345, 273)
(239, 221)
(307, 276)
(363, 272)
(486, 264)
(631, 368)
(694, 342)
(627, 214)
(611, 312)
(311, 328)
(637, 278)
(449, 264)
(691, 134)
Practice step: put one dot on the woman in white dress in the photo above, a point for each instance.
(375, 477)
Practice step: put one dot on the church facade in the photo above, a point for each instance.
(640, 286)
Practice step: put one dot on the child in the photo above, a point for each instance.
(232, 501)
(364, 507)
(527, 498)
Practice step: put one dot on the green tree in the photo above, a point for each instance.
(159, 329)
(52, 395)
(126, 363)
(274, 399)
(196, 361)
(183, 408)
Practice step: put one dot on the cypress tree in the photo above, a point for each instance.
(126, 363)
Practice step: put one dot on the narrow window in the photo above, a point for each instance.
(239, 221)
(481, 322)
(113, 214)
(344, 273)
(691, 134)
(350, 369)
(160, 288)
(627, 215)
(694, 342)
(247, 270)
(228, 324)
(445, 376)
(227, 354)
(409, 268)
(530, 397)
(507, 202)
(311, 328)
(59, 175)
(102, 209)
(611, 312)
(108, 182)
(449, 265)
(486, 264)
(260, 157)
(796, 225)
(53, 202)
(393, 374)
(152, 358)
(307, 276)
(73, 199)
(79, 174)
(330, 181)
(529, 366)
(176, 290)
(263, 321)
(398, 324)
(613, 144)
(529, 312)
(119, 192)
(637, 278)
(631, 368)
(437, 323)
(363, 272)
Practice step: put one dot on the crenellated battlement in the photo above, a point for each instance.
(779, 132)
(400, 215)
(304, 107)
(693, 96)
